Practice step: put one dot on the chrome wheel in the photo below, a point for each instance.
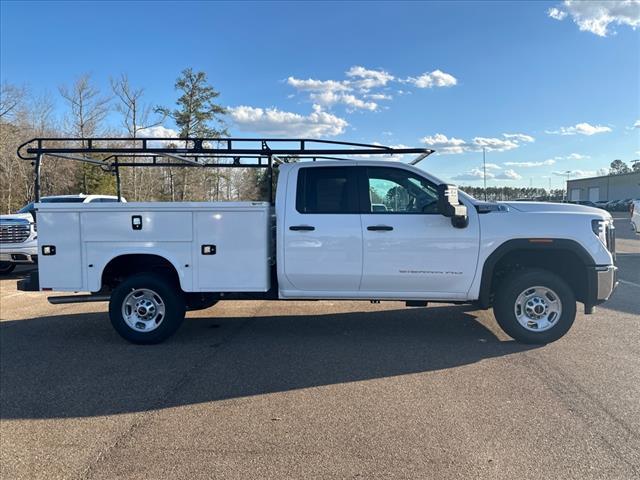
(538, 308)
(143, 310)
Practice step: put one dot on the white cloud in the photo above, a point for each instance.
(577, 156)
(495, 144)
(313, 85)
(596, 16)
(362, 88)
(519, 137)
(530, 164)
(509, 175)
(580, 129)
(437, 78)
(556, 13)
(575, 173)
(160, 131)
(271, 121)
(473, 174)
(636, 124)
(493, 166)
(366, 79)
(379, 96)
(444, 144)
(329, 98)
(354, 102)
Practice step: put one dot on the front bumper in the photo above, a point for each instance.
(603, 280)
(19, 254)
(607, 281)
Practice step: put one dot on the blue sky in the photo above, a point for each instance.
(545, 86)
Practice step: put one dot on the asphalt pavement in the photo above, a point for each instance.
(348, 390)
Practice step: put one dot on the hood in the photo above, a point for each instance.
(549, 207)
(16, 217)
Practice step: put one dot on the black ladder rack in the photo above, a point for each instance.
(112, 153)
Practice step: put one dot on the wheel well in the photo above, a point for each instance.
(123, 266)
(565, 263)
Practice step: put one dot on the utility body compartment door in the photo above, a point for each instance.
(59, 235)
(232, 249)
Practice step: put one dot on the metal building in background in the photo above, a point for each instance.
(607, 187)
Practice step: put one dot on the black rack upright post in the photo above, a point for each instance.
(116, 171)
(270, 178)
(36, 180)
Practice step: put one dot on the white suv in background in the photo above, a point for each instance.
(18, 233)
(634, 210)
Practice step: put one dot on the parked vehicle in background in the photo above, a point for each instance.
(625, 205)
(18, 231)
(611, 205)
(634, 212)
(587, 203)
(326, 236)
(601, 204)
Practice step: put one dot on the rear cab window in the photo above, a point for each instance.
(327, 190)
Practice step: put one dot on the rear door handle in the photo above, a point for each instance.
(302, 228)
(379, 228)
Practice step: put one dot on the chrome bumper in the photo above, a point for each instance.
(607, 282)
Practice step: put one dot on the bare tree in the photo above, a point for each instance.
(87, 110)
(11, 96)
(87, 107)
(136, 117)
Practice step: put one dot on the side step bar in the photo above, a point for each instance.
(78, 299)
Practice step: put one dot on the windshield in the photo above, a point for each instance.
(28, 208)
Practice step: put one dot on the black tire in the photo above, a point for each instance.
(518, 282)
(200, 301)
(6, 268)
(169, 296)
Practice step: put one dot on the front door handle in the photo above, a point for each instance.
(379, 228)
(302, 228)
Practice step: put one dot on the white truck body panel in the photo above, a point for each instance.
(424, 257)
(88, 236)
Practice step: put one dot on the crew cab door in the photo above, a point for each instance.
(408, 246)
(322, 230)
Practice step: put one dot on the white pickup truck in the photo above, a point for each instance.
(327, 237)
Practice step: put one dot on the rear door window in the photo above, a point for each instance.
(327, 190)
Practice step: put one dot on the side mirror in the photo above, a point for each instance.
(449, 206)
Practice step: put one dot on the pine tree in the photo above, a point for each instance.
(196, 110)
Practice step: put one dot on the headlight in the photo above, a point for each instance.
(599, 229)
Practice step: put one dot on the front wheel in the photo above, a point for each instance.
(146, 308)
(534, 306)
(6, 268)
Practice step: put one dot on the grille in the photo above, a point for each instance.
(611, 240)
(14, 233)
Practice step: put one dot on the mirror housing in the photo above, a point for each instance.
(449, 205)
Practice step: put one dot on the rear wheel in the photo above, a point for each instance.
(535, 306)
(146, 308)
(6, 267)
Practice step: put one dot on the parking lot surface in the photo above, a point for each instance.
(320, 390)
